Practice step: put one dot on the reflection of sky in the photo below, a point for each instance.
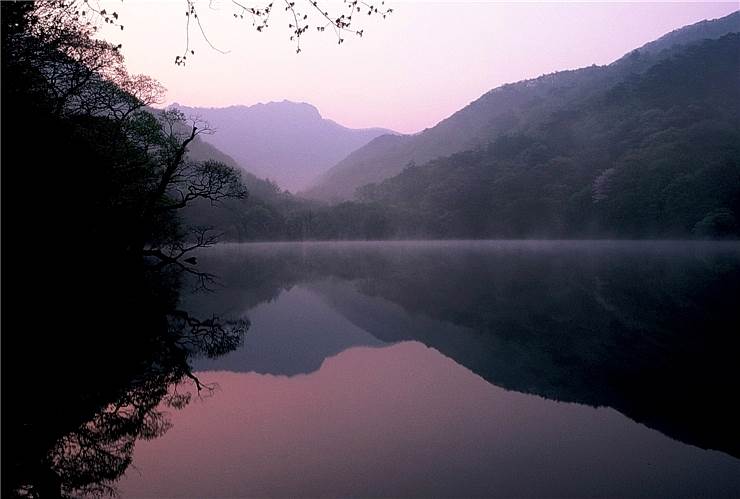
(428, 59)
(306, 408)
(405, 420)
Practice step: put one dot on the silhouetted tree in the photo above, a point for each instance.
(100, 178)
(76, 90)
(303, 16)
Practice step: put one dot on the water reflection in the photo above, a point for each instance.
(295, 334)
(646, 328)
(94, 371)
(428, 369)
(405, 421)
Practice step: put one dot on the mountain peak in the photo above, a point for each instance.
(284, 108)
(287, 107)
(283, 140)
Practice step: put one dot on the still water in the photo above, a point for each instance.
(462, 369)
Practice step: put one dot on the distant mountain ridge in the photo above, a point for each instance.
(655, 153)
(288, 142)
(499, 111)
(646, 147)
(707, 29)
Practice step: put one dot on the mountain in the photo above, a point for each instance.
(655, 155)
(500, 111)
(646, 147)
(263, 215)
(287, 142)
(270, 213)
(707, 29)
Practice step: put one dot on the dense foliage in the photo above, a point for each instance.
(83, 144)
(656, 154)
(272, 214)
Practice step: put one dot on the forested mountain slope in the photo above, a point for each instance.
(502, 110)
(655, 155)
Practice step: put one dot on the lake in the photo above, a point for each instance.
(478, 368)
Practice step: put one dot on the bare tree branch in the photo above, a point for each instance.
(341, 22)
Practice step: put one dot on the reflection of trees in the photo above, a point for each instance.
(102, 388)
(92, 457)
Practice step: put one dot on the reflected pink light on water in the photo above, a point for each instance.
(401, 420)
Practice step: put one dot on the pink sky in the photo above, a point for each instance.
(409, 71)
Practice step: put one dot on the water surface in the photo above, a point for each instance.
(463, 369)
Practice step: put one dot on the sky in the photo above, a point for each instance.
(422, 63)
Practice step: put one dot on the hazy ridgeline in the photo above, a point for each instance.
(529, 105)
(287, 142)
(646, 147)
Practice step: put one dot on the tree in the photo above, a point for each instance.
(130, 161)
(302, 17)
(100, 178)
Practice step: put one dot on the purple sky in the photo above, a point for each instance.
(409, 71)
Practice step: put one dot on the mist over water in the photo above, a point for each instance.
(463, 368)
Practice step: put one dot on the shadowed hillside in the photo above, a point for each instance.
(502, 111)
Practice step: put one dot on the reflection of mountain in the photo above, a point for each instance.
(406, 421)
(648, 329)
(291, 336)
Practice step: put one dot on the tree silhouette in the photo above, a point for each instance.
(100, 178)
(142, 174)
